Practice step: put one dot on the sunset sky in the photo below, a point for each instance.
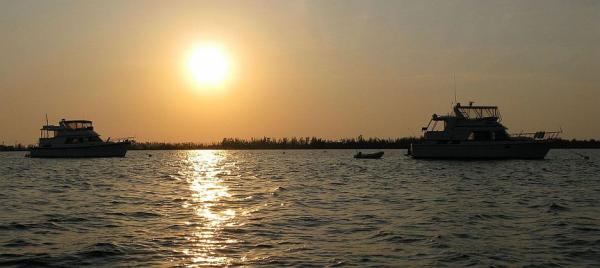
(295, 68)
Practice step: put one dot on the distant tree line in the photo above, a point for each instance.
(562, 143)
(319, 143)
(17, 147)
(282, 143)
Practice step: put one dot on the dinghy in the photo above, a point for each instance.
(376, 155)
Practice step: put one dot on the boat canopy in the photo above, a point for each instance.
(76, 124)
(476, 112)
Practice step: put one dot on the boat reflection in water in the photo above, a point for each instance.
(208, 191)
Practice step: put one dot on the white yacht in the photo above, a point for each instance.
(76, 138)
(476, 132)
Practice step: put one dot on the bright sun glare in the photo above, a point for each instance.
(209, 65)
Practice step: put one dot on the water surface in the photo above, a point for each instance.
(300, 208)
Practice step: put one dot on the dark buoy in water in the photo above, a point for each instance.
(149, 155)
(556, 207)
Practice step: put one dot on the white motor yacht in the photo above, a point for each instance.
(476, 132)
(76, 138)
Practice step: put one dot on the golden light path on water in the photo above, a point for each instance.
(208, 191)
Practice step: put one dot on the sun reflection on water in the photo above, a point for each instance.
(208, 194)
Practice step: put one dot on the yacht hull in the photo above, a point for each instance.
(116, 149)
(482, 150)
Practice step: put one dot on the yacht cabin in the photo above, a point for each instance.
(69, 133)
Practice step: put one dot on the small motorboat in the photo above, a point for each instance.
(376, 155)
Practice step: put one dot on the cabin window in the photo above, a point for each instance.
(481, 136)
(47, 134)
(73, 140)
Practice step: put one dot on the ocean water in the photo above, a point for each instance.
(298, 208)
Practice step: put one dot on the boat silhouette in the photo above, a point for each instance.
(476, 132)
(75, 139)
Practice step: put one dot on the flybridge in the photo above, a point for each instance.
(70, 125)
(476, 112)
(76, 124)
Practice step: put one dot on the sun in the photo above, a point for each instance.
(209, 65)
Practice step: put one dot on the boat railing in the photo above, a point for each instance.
(539, 135)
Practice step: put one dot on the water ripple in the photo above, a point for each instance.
(298, 208)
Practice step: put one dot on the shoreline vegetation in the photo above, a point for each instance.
(304, 143)
(314, 143)
(293, 143)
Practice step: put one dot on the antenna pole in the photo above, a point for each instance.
(46, 119)
(454, 88)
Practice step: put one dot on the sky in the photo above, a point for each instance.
(330, 69)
